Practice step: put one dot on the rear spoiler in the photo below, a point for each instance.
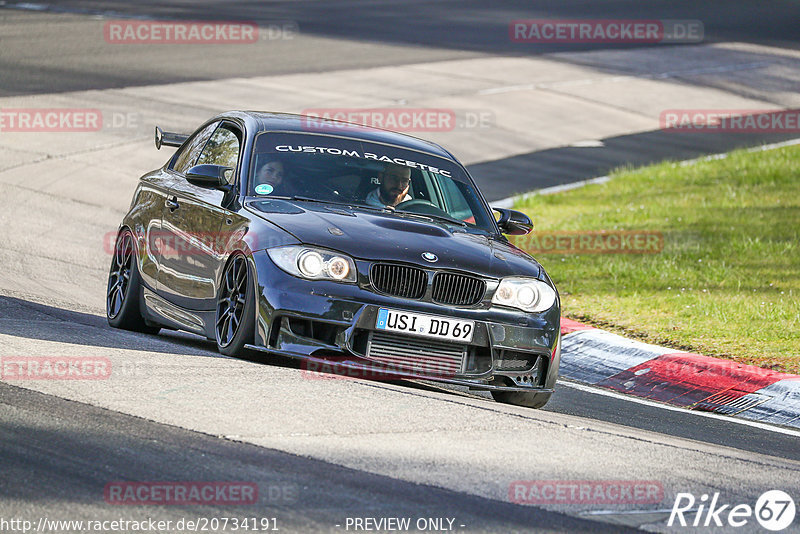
(169, 138)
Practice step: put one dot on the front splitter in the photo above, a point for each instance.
(367, 372)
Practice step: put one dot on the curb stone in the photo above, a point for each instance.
(692, 381)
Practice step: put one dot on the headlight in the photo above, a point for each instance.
(314, 263)
(528, 294)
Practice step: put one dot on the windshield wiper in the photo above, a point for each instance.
(434, 217)
(310, 199)
(337, 203)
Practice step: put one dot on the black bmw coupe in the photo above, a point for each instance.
(336, 243)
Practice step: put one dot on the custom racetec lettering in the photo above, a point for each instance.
(334, 151)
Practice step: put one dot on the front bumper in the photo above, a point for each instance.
(331, 326)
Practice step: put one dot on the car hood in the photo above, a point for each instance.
(371, 235)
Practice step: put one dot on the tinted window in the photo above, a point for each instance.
(221, 149)
(186, 158)
(360, 173)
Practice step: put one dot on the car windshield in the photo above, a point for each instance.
(326, 168)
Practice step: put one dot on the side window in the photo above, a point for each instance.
(221, 149)
(186, 158)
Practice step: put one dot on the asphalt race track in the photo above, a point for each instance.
(323, 451)
(354, 34)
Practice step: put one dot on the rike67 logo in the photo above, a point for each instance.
(774, 510)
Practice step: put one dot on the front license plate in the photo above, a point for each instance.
(416, 324)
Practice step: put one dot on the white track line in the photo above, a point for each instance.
(629, 398)
(509, 202)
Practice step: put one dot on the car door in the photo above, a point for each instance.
(192, 220)
(145, 222)
(158, 240)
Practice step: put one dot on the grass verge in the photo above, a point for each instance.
(727, 280)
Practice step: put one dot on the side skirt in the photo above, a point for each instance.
(164, 312)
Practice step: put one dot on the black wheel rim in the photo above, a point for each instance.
(119, 279)
(230, 306)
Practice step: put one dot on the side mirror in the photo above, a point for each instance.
(211, 176)
(513, 222)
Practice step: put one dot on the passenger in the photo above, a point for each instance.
(269, 178)
(393, 189)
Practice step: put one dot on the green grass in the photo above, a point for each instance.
(727, 282)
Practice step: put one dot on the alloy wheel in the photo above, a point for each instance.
(231, 302)
(120, 276)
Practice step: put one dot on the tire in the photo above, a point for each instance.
(522, 398)
(124, 288)
(234, 321)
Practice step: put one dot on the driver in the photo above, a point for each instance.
(395, 181)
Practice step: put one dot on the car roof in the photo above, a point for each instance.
(267, 121)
